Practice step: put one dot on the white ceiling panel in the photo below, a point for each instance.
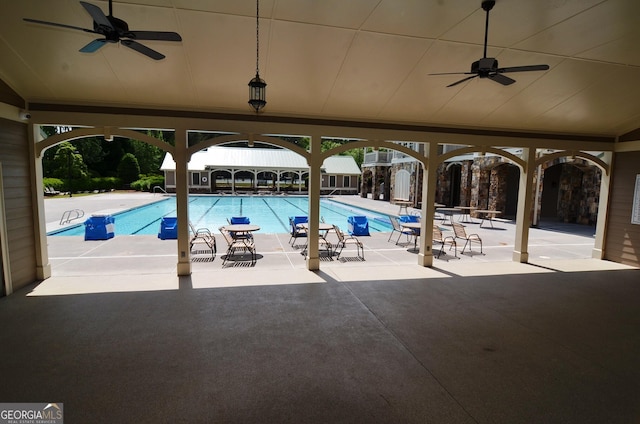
(351, 60)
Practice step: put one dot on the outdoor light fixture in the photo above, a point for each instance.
(257, 86)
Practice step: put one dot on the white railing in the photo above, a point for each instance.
(158, 188)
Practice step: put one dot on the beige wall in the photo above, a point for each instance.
(623, 237)
(14, 156)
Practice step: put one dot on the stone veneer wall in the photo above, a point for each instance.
(579, 192)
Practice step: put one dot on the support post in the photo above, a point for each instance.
(603, 208)
(525, 200)
(315, 164)
(425, 257)
(43, 267)
(182, 201)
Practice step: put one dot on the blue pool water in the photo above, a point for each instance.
(270, 213)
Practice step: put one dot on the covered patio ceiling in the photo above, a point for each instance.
(357, 60)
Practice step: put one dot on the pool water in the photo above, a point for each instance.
(271, 213)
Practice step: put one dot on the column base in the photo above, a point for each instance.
(522, 257)
(184, 269)
(425, 260)
(597, 254)
(313, 264)
(43, 272)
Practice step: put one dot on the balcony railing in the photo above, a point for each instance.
(377, 158)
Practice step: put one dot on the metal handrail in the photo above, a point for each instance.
(71, 215)
(159, 188)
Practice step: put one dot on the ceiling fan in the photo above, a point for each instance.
(115, 30)
(487, 67)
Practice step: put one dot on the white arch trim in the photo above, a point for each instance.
(475, 149)
(605, 167)
(375, 143)
(249, 138)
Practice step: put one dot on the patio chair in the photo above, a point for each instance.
(439, 238)
(461, 233)
(411, 218)
(398, 228)
(202, 236)
(234, 245)
(296, 230)
(239, 220)
(344, 240)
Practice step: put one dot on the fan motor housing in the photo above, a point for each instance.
(485, 66)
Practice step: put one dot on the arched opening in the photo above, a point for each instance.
(455, 179)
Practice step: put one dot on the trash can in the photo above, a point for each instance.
(358, 225)
(99, 227)
(168, 228)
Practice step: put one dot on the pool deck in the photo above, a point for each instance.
(117, 338)
(152, 261)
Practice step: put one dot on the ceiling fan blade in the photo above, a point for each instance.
(453, 73)
(462, 80)
(36, 21)
(94, 45)
(143, 49)
(499, 78)
(523, 68)
(154, 35)
(97, 14)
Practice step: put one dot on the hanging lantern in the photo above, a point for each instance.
(257, 86)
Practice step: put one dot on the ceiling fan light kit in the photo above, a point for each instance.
(115, 30)
(487, 67)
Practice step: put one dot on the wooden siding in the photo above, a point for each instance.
(623, 238)
(14, 156)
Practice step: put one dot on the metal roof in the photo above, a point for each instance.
(256, 158)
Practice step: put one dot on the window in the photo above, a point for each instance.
(402, 185)
(346, 181)
(332, 180)
(195, 178)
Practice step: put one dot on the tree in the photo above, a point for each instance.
(128, 169)
(149, 156)
(68, 163)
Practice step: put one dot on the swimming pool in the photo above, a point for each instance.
(271, 213)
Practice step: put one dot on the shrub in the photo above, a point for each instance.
(146, 183)
(55, 183)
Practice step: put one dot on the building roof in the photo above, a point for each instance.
(218, 157)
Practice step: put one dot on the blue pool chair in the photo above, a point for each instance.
(296, 230)
(168, 228)
(358, 225)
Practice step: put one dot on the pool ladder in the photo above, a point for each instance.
(71, 215)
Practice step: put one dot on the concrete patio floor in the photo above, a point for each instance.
(117, 337)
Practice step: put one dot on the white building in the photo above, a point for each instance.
(248, 169)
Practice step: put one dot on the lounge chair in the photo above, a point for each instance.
(200, 236)
(461, 233)
(296, 230)
(245, 245)
(398, 228)
(439, 238)
(344, 240)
